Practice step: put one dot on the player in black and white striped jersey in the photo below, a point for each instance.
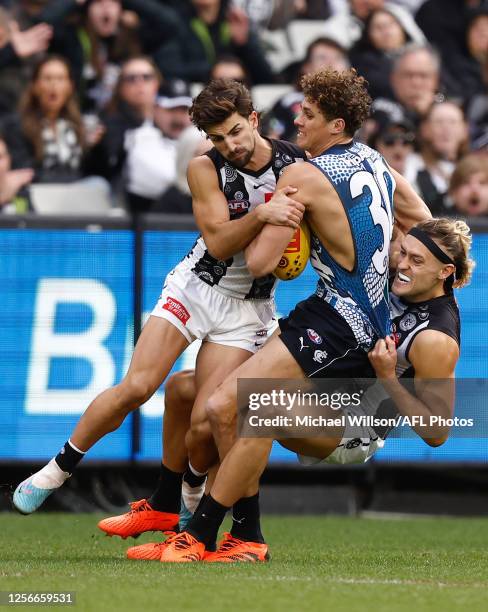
(209, 296)
(433, 258)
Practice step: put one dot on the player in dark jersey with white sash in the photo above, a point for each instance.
(348, 192)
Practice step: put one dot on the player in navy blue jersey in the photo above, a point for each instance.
(348, 192)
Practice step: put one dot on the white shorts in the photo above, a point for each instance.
(202, 312)
(358, 445)
(349, 451)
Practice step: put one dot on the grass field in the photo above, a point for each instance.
(318, 563)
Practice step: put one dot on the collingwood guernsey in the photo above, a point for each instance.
(409, 319)
(244, 190)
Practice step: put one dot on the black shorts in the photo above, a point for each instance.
(322, 343)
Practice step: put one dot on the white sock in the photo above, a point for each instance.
(51, 476)
(192, 495)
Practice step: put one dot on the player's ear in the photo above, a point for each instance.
(254, 119)
(446, 271)
(338, 125)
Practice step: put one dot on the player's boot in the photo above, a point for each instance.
(233, 550)
(148, 552)
(190, 498)
(182, 548)
(140, 518)
(32, 492)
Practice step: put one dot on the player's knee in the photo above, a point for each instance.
(136, 389)
(220, 409)
(199, 434)
(179, 391)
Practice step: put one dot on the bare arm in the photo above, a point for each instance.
(225, 237)
(409, 207)
(264, 252)
(433, 354)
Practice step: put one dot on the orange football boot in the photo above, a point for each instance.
(233, 550)
(139, 519)
(182, 548)
(148, 552)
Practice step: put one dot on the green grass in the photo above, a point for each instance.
(318, 563)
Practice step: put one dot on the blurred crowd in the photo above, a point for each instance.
(94, 94)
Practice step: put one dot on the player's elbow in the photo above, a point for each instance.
(218, 251)
(259, 265)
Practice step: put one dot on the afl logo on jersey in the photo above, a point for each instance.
(408, 322)
(314, 336)
(237, 207)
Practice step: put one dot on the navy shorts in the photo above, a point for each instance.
(322, 343)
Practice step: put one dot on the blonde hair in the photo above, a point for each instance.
(453, 236)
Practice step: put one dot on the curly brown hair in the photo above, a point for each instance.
(218, 101)
(339, 95)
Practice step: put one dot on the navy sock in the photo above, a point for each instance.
(68, 458)
(245, 520)
(167, 496)
(204, 525)
(192, 479)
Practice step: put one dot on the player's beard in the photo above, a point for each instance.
(243, 160)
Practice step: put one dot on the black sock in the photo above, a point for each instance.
(245, 520)
(200, 503)
(192, 479)
(167, 496)
(205, 523)
(68, 458)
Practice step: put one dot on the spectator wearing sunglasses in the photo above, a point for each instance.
(135, 154)
(395, 141)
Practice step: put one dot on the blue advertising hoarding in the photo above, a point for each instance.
(66, 306)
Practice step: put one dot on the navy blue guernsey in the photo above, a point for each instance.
(365, 187)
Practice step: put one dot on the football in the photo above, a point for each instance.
(295, 257)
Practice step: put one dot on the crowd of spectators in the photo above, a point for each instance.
(98, 91)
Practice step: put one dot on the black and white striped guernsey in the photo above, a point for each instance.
(244, 190)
